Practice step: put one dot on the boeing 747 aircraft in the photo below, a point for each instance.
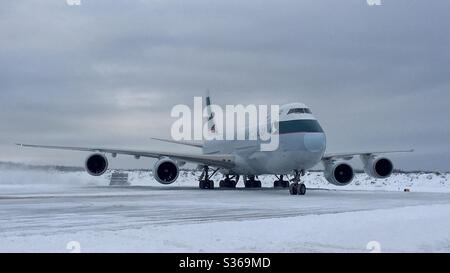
(302, 145)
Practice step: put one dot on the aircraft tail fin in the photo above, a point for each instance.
(211, 121)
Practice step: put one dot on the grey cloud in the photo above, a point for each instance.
(108, 72)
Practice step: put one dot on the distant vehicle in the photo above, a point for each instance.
(302, 145)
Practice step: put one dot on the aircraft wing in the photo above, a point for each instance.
(349, 156)
(187, 143)
(217, 160)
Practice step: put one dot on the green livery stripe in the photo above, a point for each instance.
(300, 126)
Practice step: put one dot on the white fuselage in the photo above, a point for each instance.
(302, 144)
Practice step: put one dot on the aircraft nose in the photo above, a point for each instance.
(314, 142)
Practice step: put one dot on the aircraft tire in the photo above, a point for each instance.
(231, 184)
(301, 189)
(206, 184)
(293, 189)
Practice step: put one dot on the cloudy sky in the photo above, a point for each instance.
(107, 73)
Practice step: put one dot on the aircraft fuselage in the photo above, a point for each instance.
(302, 144)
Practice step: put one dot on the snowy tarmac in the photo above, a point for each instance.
(173, 219)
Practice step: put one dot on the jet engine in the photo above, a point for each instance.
(377, 167)
(166, 171)
(96, 164)
(339, 173)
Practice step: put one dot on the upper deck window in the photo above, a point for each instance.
(299, 111)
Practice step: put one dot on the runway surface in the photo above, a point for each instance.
(60, 212)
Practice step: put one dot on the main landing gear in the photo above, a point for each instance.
(251, 182)
(229, 182)
(205, 182)
(297, 187)
(280, 183)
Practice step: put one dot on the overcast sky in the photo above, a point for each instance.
(107, 73)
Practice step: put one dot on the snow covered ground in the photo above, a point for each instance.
(21, 179)
(42, 210)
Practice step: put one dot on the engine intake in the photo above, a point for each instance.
(96, 164)
(166, 171)
(378, 167)
(339, 174)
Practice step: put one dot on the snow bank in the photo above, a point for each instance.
(418, 182)
(11, 179)
(27, 181)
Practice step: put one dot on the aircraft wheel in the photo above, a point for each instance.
(206, 184)
(252, 184)
(227, 184)
(281, 184)
(293, 189)
(301, 189)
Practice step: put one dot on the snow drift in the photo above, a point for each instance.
(13, 178)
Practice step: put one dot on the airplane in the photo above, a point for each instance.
(302, 145)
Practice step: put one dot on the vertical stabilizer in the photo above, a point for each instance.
(211, 121)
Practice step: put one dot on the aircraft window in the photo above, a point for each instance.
(296, 111)
(299, 111)
(300, 126)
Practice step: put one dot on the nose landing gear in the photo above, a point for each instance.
(297, 187)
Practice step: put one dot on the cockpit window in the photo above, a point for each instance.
(299, 111)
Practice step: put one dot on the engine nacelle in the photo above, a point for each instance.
(377, 167)
(166, 171)
(96, 164)
(339, 173)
